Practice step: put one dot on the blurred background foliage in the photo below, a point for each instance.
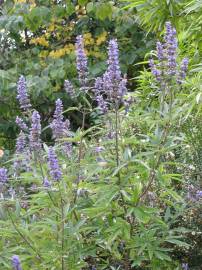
(37, 40)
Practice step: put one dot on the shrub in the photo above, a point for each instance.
(106, 197)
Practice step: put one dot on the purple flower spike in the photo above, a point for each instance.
(113, 61)
(111, 87)
(167, 69)
(183, 69)
(184, 65)
(102, 105)
(67, 148)
(122, 88)
(112, 76)
(58, 109)
(198, 194)
(22, 96)
(20, 143)
(156, 72)
(60, 128)
(81, 61)
(16, 262)
(58, 123)
(69, 88)
(35, 132)
(160, 51)
(21, 124)
(185, 266)
(98, 91)
(3, 175)
(54, 168)
(22, 159)
(46, 183)
(171, 48)
(127, 103)
(112, 83)
(98, 88)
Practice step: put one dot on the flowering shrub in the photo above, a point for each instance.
(106, 197)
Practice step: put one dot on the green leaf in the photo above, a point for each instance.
(103, 11)
(178, 242)
(70, 8)
(162, 256)
(37, 17)
(82, 2)
(90, 7)
(60, 11)
(95, 211)
(106, 195)
(141, 215)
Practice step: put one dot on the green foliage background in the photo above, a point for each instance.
(21, 22)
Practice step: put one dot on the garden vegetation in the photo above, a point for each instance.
(109, 176)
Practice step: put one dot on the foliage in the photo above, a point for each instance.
(185, 16)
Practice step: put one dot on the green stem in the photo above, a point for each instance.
(80, 146)
(62, 229)
(118, 161)
(79, 163)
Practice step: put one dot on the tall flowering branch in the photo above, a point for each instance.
(166, 72)
(16, 262)
(35, 132)
(22, 96)
(112, 86)
(81, 61)
(53, 164)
